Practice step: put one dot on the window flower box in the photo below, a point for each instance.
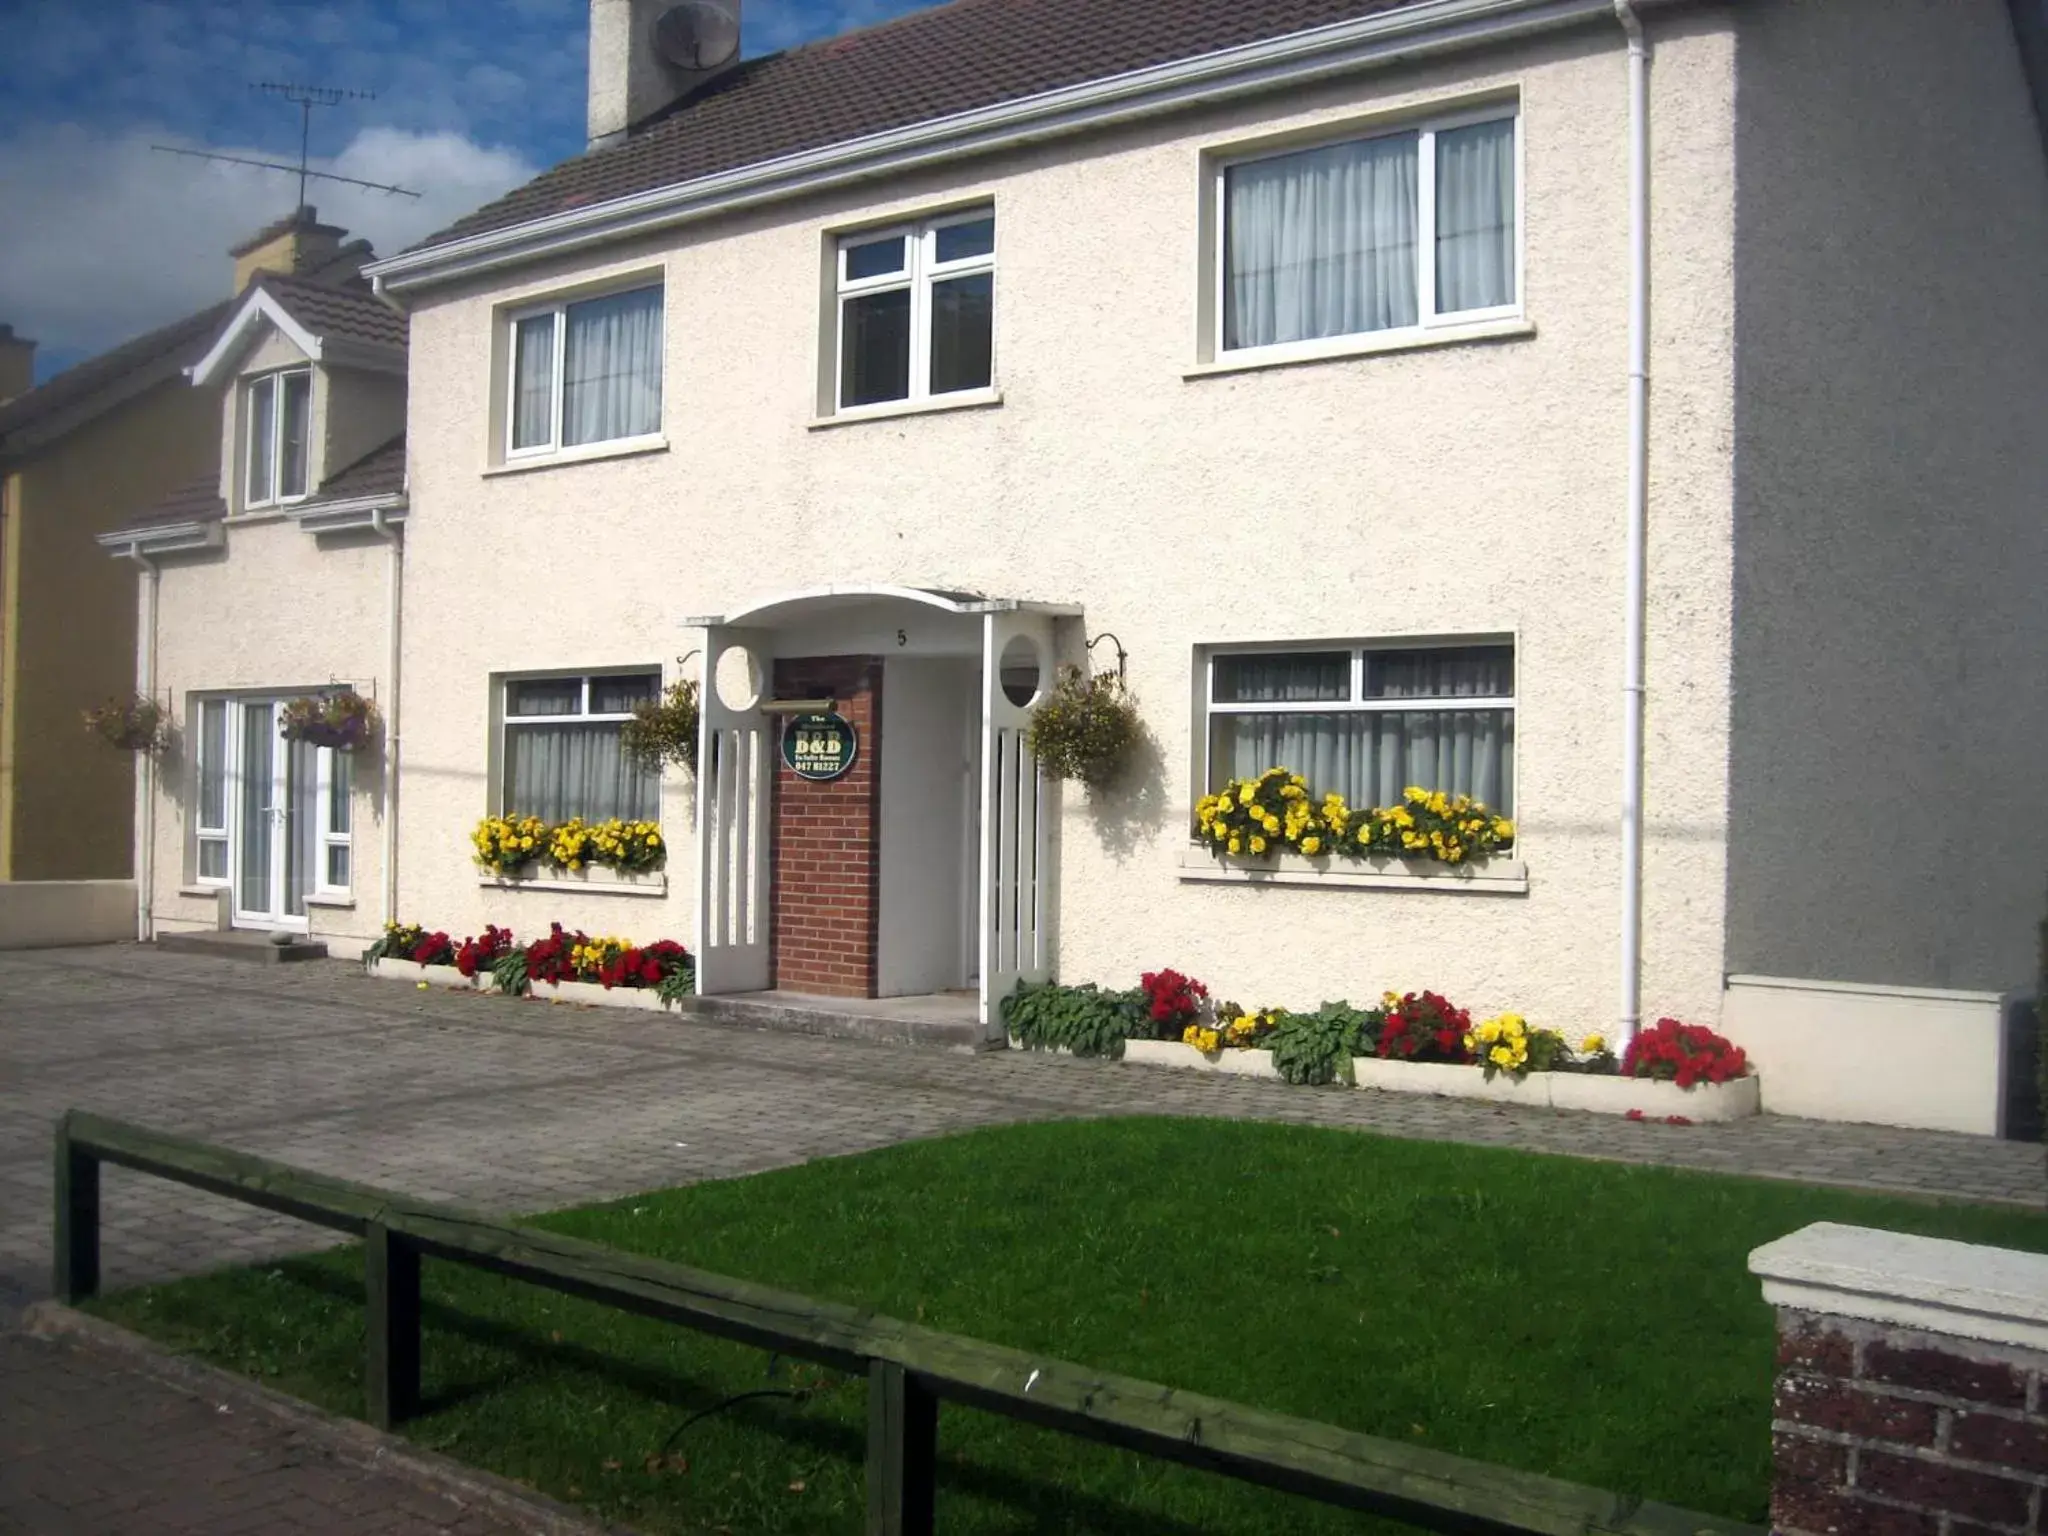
(1502, 876)
(599, 879)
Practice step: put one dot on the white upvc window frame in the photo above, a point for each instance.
(921, 271)
(507, 722)
(559, 308)
(1425, 129)
(1355, 701)
(332, 793)
(203, 833)
(274, 384)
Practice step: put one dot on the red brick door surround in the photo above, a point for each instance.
(824, 864)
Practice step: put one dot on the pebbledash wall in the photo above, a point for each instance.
(1473, 488)
(214, 638)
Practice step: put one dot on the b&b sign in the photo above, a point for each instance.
(818, 747)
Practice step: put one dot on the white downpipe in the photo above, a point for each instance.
(394, 618)
(145, 861)
(1638, 525)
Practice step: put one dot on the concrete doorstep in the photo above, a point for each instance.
(505, 1505)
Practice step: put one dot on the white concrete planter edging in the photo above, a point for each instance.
(1537, 1090)
(433, 975)
(587, 993)
(1563, 1090)
(1171, 1053)
(590, 994)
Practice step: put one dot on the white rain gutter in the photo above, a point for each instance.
(145, 870)
(1385, 38)
(394, 613)
(1638, 526)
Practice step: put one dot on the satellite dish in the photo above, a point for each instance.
(697, 35)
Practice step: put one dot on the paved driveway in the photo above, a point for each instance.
(521, 1106)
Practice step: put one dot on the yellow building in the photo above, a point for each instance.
(78, 456)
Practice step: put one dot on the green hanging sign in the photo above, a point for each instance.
(819, 747)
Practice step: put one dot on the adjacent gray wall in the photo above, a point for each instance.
(1889, 755)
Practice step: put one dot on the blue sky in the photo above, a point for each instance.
(103, 238)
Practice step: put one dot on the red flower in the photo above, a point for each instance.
(1171, 999)
(1635, 1114)
(1683, 1054)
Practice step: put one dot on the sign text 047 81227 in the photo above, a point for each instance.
(818, 747)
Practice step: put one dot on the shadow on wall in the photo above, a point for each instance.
(1128, 815)
(1889, 538)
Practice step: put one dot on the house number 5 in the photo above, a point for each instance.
(902, 637)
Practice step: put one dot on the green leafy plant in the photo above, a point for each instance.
(1316, 1048)
(509, 975)
(396, 942)
(676, 984)
(133, 724)
(1086, 728)
(1085, 1020)
(664, 730)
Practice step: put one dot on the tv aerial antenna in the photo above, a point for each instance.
(305, 98)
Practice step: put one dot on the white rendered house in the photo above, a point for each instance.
(1627, 415)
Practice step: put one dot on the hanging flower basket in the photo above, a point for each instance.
(133, 724)
(344, 721)
(1086, 728)
(664, 730)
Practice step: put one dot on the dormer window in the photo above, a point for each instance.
(278, 408)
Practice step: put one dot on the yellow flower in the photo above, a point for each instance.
(1258, 844)
(1236, 846)
(1593, 1044)
(1311, 845)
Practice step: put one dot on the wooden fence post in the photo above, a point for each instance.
(903, 1443)
(75, 1229)
(391, 1366)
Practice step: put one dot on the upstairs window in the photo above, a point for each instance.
(1367, 720)
(917, 311)
(278, 410)
(563, 752)
(586, 372)
(1399, 231)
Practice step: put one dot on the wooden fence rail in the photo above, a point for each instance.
(910, 1369)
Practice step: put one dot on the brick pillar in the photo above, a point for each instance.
(1910, 1393)
(826, 872)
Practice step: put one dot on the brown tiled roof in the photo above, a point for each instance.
(380, 472)
(177, 345)
(197, 501)
(346, 309)
(930, 64)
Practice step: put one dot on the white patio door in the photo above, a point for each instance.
(274, 836)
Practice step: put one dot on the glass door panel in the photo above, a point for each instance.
(255, 880)
(301, 825)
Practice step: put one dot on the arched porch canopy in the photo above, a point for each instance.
(788, 607)
(1016, 868)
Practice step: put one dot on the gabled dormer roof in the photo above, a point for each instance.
(343, 324)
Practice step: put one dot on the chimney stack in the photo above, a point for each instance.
(633, 76)
(17, 364)
(296, 243)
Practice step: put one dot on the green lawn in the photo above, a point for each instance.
(1588, 1320)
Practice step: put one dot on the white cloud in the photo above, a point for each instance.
(105, 238)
